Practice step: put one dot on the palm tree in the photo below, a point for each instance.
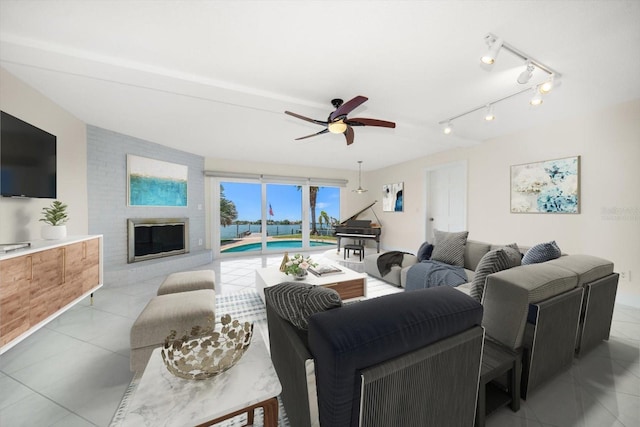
(324, 217)
(313, 193)
(228, 211)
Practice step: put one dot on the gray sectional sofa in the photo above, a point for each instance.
(550, 311)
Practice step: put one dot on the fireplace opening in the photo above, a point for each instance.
(157, 237)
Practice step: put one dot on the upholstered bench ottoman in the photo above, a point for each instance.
(164, 313)
(187, 281)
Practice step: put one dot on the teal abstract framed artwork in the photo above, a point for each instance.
(154, 182)
(551, 186)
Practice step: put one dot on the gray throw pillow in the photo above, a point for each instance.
(296, 302)
(449, 247)
(542, 252)
(492, 262)
(514, 254)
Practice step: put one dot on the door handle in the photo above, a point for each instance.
(431, 219)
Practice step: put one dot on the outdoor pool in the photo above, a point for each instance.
(276, 244)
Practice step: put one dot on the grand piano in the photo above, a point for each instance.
(359, 229)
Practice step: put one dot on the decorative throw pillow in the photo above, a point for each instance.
(542, 252)
(296, 302)
(513, 252)
(492, 262)
(449, 247)
(424, 253)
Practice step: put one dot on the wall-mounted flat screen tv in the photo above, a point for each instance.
(27, 159)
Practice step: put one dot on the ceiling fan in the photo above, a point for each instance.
(337, 122)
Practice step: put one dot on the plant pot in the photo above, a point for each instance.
(300, 275)
(53, 232)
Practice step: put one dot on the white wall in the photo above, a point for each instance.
(609, 223)
(19, 218)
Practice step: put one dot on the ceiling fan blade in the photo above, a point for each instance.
(309, 136)
(318, 122)
(347, 107)
(349, 134)
(370, 122)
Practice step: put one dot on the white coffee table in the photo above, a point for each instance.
(348, 284)
(162, 399)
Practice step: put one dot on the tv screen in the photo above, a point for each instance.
(27, 159)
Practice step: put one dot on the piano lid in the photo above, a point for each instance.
(353, 217)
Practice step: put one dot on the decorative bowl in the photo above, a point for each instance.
(205, 352)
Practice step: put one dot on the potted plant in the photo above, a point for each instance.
(55, 217)
(297, 266)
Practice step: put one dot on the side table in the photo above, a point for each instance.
(496, 361)
(162, 399)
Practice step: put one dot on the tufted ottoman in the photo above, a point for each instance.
(187, 281)
(164, 313)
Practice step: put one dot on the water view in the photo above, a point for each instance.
(241, 215)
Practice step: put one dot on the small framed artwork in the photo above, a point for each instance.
(551, 186)
(152, 182)
(393, 197)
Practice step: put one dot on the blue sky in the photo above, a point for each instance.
(285, 201)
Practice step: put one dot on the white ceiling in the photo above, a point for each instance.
(215, 77)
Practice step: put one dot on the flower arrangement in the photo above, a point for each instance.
(298, 265)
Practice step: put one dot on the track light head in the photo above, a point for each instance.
(488, 115)
(494, 47)
(546, 87)
(526, 75)
(448, 128)
(536, 99)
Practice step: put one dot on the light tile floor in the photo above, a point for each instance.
(74, 371)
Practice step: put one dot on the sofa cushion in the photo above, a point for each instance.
(296, 302)
(424, 252)
(588, 268)
(473, 253)
(508, 293)
(491, 262)
(541, 252)
(357, 336)
(449, 247)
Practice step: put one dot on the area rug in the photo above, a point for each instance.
(245, 306)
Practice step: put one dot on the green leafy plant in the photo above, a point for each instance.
(56, 214)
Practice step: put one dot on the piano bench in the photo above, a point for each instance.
(354, 248)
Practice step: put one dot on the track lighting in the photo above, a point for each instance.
(526, 75)
(546, 87)
(494, 47)
(495, 43)
(536, 99)
(448, 128)
(488, 115)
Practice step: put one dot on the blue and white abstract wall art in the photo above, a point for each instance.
(551, 186)
(154, 182)
(393, 197)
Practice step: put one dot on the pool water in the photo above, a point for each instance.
(276, 244)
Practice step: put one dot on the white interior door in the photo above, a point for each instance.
(447, 199)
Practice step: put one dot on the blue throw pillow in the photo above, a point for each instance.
(542, 252)
(424, 253)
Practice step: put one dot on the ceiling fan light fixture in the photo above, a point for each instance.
(359, 190)
(494, 47)
(526, 74)
(337, 127)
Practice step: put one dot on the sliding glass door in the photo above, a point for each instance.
(259, 217)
